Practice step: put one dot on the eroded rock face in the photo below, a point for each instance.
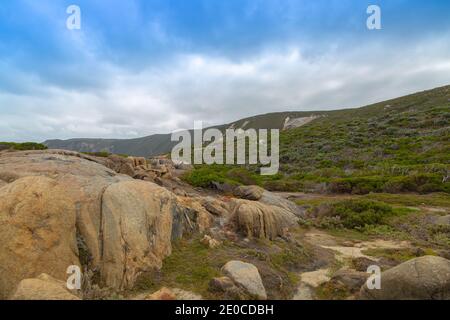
(215, 206)
(37, 231)
(137, 221)
(273, 199)
(249, 192)
(43, 287)
(256, 193)
(259, 220)
(246, 276)
(62, 208)
(424, 278)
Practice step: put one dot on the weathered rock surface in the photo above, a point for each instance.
(137, 221)
(352, 279)
(162, 294)
(423, 278)
(43, 287)
(197, 217)
(63, 208)
(246, 276)
(249, 192)
(443, 220)
(169, 294)
(37, 231)
(256, 193)
(215, 206)
(210, 242)
(259, 220)
(273, 199)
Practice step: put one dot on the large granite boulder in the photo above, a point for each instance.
(424, 278)
(61, 208)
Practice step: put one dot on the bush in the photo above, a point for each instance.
(241, 175)
(358, 185)
(22, 146)
(283, 185)
(359, 213)
(353, 214)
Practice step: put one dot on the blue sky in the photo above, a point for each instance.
(139, 67)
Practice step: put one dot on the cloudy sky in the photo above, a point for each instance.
(138, 67)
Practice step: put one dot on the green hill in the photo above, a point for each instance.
(400, 145)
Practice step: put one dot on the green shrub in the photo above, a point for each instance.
(283, 185)
(359, 213)
(22, 146)
(242, 176)
(352, 214)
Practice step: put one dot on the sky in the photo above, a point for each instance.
(139, 67)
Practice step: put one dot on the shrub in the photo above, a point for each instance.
(359, 213)
(22, 146)
(241, 175)
(283, 185)
(353, 214)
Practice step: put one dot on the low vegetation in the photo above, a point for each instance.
(192, 265)
(402, 145)
(22, 146)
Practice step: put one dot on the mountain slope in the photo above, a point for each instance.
(401, 145)
(161, 143)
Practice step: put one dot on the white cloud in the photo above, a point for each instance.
(214, 89)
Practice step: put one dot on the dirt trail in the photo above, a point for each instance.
(344, 251)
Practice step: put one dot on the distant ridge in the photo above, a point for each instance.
(161, 143)
(158, 144)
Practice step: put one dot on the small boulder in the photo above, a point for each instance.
(246, 276)
(424, 278)
(162, 294)
(248, 192)
(210, 242)
(43, 287)
(353, 280)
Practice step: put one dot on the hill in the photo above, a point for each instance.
(400, 145)
(160, 143)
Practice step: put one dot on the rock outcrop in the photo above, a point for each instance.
(259, 220)
(43, 287)
(137, 219)
(256, 193)
(424, 278)
(63, 208)
(37, 231)
(249, 192)
(246, 276)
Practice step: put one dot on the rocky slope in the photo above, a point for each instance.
(138, 232)
(61, 208)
